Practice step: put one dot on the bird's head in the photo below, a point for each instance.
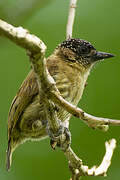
(81, 52)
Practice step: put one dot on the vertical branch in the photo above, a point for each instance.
(71, 17)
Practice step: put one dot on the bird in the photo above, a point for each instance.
(69, 65)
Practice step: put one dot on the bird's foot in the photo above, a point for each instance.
(62, 138)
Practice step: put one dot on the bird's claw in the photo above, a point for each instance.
(62, 138)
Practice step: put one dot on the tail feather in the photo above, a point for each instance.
(9, 156)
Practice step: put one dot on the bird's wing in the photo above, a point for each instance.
(26, 93)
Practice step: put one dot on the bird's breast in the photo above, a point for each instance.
(70, 85)
(70, 80)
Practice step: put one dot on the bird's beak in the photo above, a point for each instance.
(101, 55)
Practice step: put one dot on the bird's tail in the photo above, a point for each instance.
(8, 156)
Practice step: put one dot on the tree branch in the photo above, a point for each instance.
(71, 17)
(92, 121)
(101, 170)
(22, 37)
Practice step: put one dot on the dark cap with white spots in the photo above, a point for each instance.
(80, 47)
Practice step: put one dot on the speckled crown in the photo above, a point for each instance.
(80, 47)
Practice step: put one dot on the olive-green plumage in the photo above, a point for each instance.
(69, 65)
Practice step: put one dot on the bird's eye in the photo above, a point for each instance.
(84, 50)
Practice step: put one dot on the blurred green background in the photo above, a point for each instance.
(97, 22)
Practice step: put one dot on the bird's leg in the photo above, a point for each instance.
(61, 138)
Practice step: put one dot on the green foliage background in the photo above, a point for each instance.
(97, 22)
